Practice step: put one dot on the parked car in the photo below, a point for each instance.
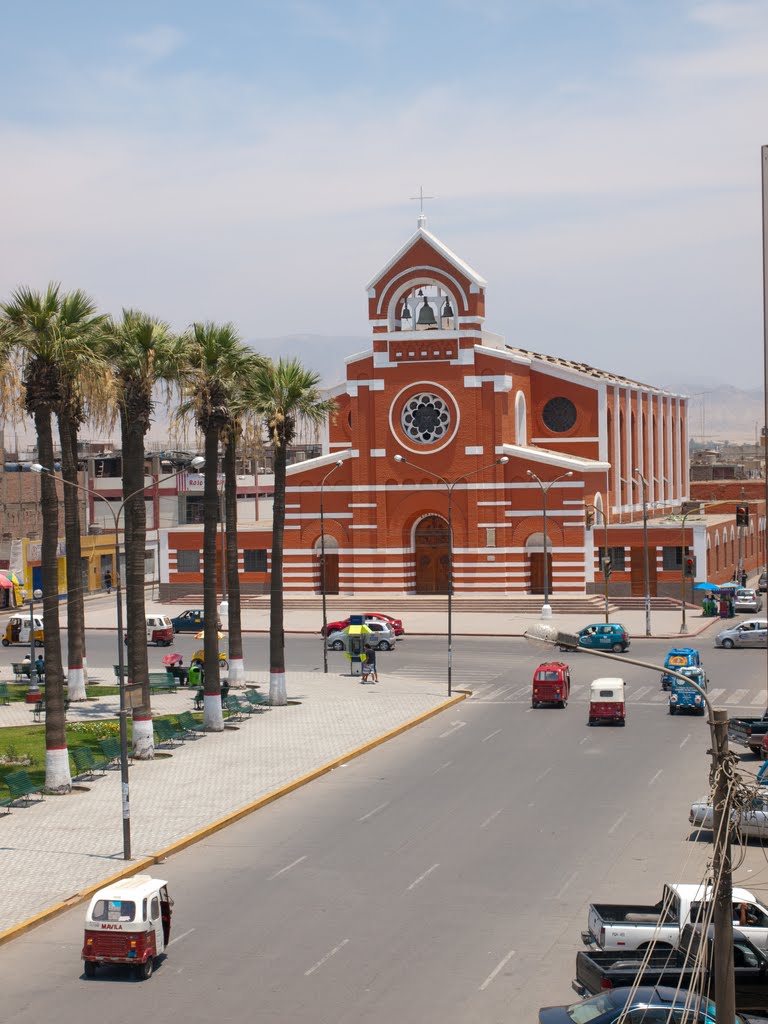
(762, 583)
(610, 636)
(748, 601)
(649, 1003)
(749, 633)
(751, 821)
(191, 621)
(749, 732)
(395, 624)
(381, 637)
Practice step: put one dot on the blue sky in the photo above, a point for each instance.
(597, 161)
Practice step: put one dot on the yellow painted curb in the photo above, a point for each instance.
(147, 862)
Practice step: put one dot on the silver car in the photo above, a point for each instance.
(749, 633)
(747, 601)
(381, 636)
(751, 821)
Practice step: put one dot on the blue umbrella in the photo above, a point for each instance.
(706, 586)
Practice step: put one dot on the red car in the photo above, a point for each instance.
(396, 625)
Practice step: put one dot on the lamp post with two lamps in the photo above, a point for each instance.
(449, 487)
(196, 463)
(334, 467)
(546, 610)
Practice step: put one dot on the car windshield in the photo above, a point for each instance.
(548, 677)
(114, 910)
(582, 1013)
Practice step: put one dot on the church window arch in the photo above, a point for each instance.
(521, 420)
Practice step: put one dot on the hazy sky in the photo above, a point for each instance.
(597, 161)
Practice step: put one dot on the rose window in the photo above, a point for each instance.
(425, 418)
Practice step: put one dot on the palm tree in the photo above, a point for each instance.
(282, 394)
(214, 358)
(40, 326)
(83, 372)
(142, 352)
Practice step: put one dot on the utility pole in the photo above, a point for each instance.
(725, 988)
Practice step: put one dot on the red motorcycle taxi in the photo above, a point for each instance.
(551, 685)
(128, 923)
(606, 702)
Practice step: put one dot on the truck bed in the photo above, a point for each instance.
(628, 913)
(748, 732)
(598, 970)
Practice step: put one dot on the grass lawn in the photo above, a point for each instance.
(18, 691)
(29, 741)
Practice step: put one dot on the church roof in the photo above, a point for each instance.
(438, 246)
(585, 368)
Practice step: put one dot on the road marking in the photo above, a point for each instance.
(658, 773)
(759, 700)
(576, 688)
(585, 740)
(637, 694)
(544, 773)
(519, 693)
(573, 878)
(422, 877)
(493, 694)
(494, 815)
(455, 728)
(715, 695)
(327, 956)
(370, 814)
(287, 867)
(495, 971)
(616, 824)
(737, 696)
(182, 936)
(490, 735)
(446, 765)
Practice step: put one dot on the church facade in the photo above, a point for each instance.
(443, 431)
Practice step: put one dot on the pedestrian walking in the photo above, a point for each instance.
(40, 668)
(108, 581)
(370, 666)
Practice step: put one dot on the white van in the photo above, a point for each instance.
(159, 630)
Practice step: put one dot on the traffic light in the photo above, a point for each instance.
(742, 515)
(690, 565)
(607, 566)
(589, 518)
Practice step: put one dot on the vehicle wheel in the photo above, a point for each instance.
(590, 722)
(672, 711)
(168, 643)
(534, 704)
(563, 703)
(384, 646)
(618, 648)
(5, 643)
(224, 663)
(89, 967)
(700, 712)
(728, 644)
(144, 971)
(337, 645)
(623, 722)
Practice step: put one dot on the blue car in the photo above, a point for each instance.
(683, 697)
(604, 636)
(678, 658)
(646, 1003)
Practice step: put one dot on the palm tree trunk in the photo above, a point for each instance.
(277, 691)
(58, 778)
(135, 544)
(213, 717)
(236, 663)
(75, 604)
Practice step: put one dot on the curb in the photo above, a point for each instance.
(216, 826)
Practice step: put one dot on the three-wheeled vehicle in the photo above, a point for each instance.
(17, 631)
(128, 922)
(677, 659)
(682, 696)
(551, 684)
(606, 701)
(198, 658)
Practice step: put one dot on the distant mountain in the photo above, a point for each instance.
(725, 413)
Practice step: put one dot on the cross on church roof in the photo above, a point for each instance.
(422, 219)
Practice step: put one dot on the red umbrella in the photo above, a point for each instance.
(5, 583)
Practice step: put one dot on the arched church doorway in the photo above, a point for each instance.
(331, 565)
(431, 546)
(535, 550)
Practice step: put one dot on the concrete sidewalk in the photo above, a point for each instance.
(54, 849)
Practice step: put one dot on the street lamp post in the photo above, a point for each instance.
(646, 565)
(546, 611)
(123, 716)
(449, 487)
(543, 634)
(334, 467)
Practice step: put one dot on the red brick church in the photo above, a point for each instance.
(438, 410)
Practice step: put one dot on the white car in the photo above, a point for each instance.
(747, 600)
(752, 821)
(381, 636)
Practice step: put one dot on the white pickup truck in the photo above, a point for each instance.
(628, 926)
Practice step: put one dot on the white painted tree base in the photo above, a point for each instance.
(143, 739)
(58, 778)
(236, 671)
(277, 694)
(85, 670)
(213, 716)
(76, 683)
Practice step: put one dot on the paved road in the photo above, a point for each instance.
(443, 876)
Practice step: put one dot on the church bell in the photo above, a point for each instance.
(426, 316)
(405, 312)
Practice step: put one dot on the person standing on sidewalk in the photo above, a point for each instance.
(370, 666)
(108, 581)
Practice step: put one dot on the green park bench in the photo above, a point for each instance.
(117, 671)
(21, 670)
(110, 748)
(38, 709)
(233, 710)
(5, 694)
(167, 733)
(192, 728)
(86, 763)
(162, 682)
(20, 787)
(259, 701)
